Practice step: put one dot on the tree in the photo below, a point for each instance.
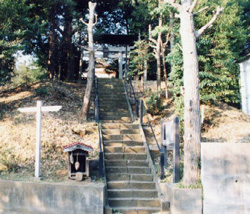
(218, 51)
(163, 32)
(91, 67)
(192, 132)
(139, 58)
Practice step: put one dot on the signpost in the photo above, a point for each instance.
(39, 109)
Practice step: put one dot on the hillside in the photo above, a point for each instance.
(17, 130)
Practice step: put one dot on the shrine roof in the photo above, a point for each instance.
(77, 145)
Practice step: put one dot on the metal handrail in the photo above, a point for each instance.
(133, 96)
(97, 119)
(161, 148)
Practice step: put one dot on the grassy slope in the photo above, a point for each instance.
(17, 130)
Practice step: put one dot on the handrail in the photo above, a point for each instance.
(97, 119)
(132, 95)
(161, 148)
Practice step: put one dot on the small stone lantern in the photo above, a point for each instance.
(78, 166)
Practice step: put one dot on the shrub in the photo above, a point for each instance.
(27, 75)
(154, 104)
(40, 91)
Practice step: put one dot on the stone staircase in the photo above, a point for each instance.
(130, 182)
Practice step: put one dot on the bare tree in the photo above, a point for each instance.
(91, 65)
(191, 86)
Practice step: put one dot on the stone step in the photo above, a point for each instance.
(125, 137)
(125, 156)
(115, 121)
(104, 94)
(114, 106)
(105, 91)
(114, 117)
(113, 100)
(111, 88)
(125, 149)
(120, 131)
(137, 193)
(115, 113)
(131, 169)
(123, 143)
(126, 163)
(134, 202)
(131, 185)
(120, 126)
(138, 210)
(129, 177)
(113, 109)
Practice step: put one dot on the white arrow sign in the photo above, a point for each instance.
(39, 109)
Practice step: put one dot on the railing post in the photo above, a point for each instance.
(101, 167)
(176, 152)
(162, 164)
(141, 112)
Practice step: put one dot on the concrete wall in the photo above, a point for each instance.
(182, 201)
(226, 178)
(245, 85)
(48, 198)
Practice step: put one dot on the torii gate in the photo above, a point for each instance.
(114, 52)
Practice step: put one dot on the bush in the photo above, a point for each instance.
(27, 75)
(40, 91)
(154, 104)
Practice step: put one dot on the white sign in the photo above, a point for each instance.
(39, 109)
(168, 130)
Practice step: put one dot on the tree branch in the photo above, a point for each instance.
(153, 46)
(81, 19)
(210, 23)
(173, 4)
(150, 37)
(199, 11)
(95, 20)
(191, 9)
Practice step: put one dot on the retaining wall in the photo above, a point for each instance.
(51, 198)
(225, 173)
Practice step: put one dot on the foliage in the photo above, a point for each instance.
(219, 49)
(176, 78)
(138, 56)
(154, 104)
(41, 91)
(25, 75)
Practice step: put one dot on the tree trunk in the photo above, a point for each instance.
(91, 68)
(163, 49)
(191, 98)
(52, 43)
(70, 56)
(158, 57)
(66, 42)
(145, 73)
